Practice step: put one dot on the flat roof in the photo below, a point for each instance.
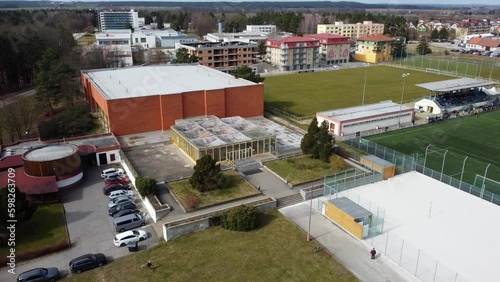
(454, 84)
(50, 152)
(142, 81)
(349, 207)
(365, 111)
(447, 225)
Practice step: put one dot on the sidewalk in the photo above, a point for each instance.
(352, 253)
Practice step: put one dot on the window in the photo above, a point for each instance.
(112, 157)
(143, 40)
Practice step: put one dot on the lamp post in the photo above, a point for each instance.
(310, 213)
(404, 75)
(364, 86)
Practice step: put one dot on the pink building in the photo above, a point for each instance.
(334, 48)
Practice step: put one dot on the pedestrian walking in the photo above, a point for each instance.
(149, 265)
(373, 252)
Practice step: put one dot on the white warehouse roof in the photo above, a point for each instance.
(384, 107)
(159, 80)
(454, 84)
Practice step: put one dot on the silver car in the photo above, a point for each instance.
(119, 200)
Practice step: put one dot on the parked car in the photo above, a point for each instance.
(114, 187)
(119, 200)
(122, 239)
(39, 275)
(115, 180)
(118, 171)
(128, 222)
(87, 262)
(125, 212)
(119, 193)
(123, 206)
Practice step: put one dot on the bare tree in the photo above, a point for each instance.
(12, 120)
(310, 23)
(204, 23)
(28, 111)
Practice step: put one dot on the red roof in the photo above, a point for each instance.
(292, 39)
(11, 161)
(475, 41)
(29, 184)
(376, 38)
(490, 43)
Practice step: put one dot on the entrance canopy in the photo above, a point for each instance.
(454, 84)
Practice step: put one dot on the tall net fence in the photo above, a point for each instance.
(453, 168)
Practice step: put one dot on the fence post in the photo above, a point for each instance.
(384, 152)
(442, 167)
(435, 271)
(484, 178)
(462, 175)
(416, 267)
(386, 242)
(401, 254)
(425, 157)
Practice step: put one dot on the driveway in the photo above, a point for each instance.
(90, 227)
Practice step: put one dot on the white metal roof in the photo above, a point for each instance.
(159, 80)
(384, 107)
(454, 84)
(453, 227)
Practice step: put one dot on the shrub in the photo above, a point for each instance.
(337, 162)
(72, 122)
(145, 185)
(192, 201)
(241, 218)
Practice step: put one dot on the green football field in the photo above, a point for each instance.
(475, 137)
(307, 93)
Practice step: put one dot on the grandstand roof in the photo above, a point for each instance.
(454, 84)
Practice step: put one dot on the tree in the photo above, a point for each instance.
(247, 73)
(318, 142)
(241, 218)
(145, 185)
(48, 82)
(399, 49)
(434, 34)
(23, 209)
(423, 47)
(207, 175)
(262, 48)
(443, 34)
(182, 56)
(159, 24)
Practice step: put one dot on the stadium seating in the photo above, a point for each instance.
(451, 100)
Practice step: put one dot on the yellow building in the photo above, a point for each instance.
(352, 30)
(374, 48)
(350, 216)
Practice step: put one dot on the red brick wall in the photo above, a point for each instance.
(245, 101)
(171, 109)
(193, 103)
(215, 103)
(133, 115)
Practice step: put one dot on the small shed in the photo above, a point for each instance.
(347, 214)
(387, 169)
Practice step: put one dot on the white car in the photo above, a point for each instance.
(119, 200)
(119, 193)
(113, 170)
(122, 239)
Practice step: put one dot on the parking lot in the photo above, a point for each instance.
(89, 225)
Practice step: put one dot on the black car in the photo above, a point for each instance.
(113, 187)
(87, 262)
(125, 212)
(123, 206)
(39, 275)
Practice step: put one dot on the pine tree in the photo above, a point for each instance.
(207, 175)
(308, 142)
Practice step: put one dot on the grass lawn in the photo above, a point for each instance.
(307, 93)
(276, 251)
(47, 227)
(468, 136)
(86, 39)
(236, 188)
(301, 169)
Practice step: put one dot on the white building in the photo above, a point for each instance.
(352, 30)
(144, 38)
(245, 37)
(114, 37)
(119, 20)
(261, 28)
(356, 120)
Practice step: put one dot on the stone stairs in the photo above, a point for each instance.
(289, 200)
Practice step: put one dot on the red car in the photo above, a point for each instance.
(115, 180)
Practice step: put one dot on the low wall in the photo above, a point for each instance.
(155, 213)
(178, 228)
(306, 193)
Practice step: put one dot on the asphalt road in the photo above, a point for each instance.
(12, 97)
(90, 227)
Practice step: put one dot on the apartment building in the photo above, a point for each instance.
(261, 28)
(223, 56)
(333, 48)
(293, 53)
(352, 30)
(374, 48)
(119, 20)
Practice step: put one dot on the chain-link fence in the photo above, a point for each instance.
(449, 163)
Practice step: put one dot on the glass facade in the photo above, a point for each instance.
(233, 151)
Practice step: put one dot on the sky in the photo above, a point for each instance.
(406, 2)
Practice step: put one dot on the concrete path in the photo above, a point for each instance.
(351, 252)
